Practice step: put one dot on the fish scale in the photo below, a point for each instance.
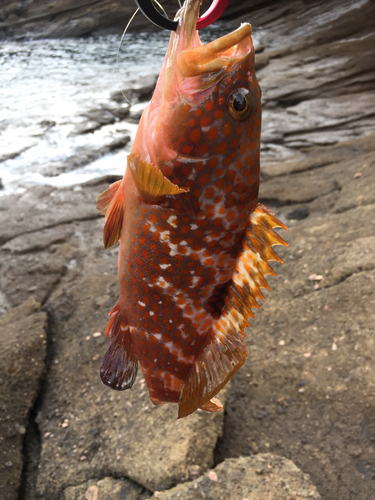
(194, 241)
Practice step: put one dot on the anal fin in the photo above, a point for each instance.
(224, 351)
(119, 365)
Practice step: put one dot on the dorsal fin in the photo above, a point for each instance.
(112, 204)
(224, 351)
(119, 365)
(150, 181)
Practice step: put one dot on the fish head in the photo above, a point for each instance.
(206, 106)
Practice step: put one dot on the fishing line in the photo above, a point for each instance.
(122, 38)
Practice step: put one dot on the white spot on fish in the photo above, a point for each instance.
(164, 266)
(151, 313)
(193, 226)
(164, 236)
(141, 303)
(161, 282)
(172, 221)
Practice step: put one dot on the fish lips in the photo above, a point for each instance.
(204, 66)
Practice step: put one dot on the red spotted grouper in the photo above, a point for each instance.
(194, 240)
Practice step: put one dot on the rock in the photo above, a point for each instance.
(31, 212)
(96, 118)
(106, 489)
(57, 19)
(23, 349)
(261, 476)
(136, 90)
(298, 213)
(121, 433)
(100, 144)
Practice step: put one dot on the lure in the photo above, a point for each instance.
(194, 240)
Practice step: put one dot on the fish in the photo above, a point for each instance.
(194, 241)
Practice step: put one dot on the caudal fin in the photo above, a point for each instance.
(224, 351)
(119, 365)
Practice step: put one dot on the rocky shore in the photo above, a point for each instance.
(299, 418)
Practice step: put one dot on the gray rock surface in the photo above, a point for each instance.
(23, 349)
(263, 476)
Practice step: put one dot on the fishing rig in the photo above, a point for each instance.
(148, 9)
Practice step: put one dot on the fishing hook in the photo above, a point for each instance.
(210, 16)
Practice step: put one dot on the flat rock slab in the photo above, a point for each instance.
(263, 476)
(23, 348)
(87, 429)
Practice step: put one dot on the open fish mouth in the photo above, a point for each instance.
(212, 60)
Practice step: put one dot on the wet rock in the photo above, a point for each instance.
(106, 489)
(136, 90)
(83, 155)
(23, 349)
(58, 19)
(104, 431)
(251, 478)
(96, 118)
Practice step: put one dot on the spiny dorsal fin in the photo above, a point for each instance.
(119, 365)
(150, 181)
(224, 351)
(114, 216)
(104, 199)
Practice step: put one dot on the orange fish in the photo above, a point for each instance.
(194, 240)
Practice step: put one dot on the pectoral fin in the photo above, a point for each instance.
(150, 181)
(105, 199)
(119, 365)
(111, 203)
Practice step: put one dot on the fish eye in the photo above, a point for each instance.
(240, 104)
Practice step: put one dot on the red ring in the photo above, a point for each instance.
(212, 14)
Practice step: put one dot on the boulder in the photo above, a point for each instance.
(263, 476)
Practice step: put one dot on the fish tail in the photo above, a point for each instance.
(119, 365)
(224, 351)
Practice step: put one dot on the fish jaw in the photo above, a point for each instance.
(217, 55)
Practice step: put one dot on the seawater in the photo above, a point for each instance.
(55, 81)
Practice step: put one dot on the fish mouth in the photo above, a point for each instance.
(216, 56)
